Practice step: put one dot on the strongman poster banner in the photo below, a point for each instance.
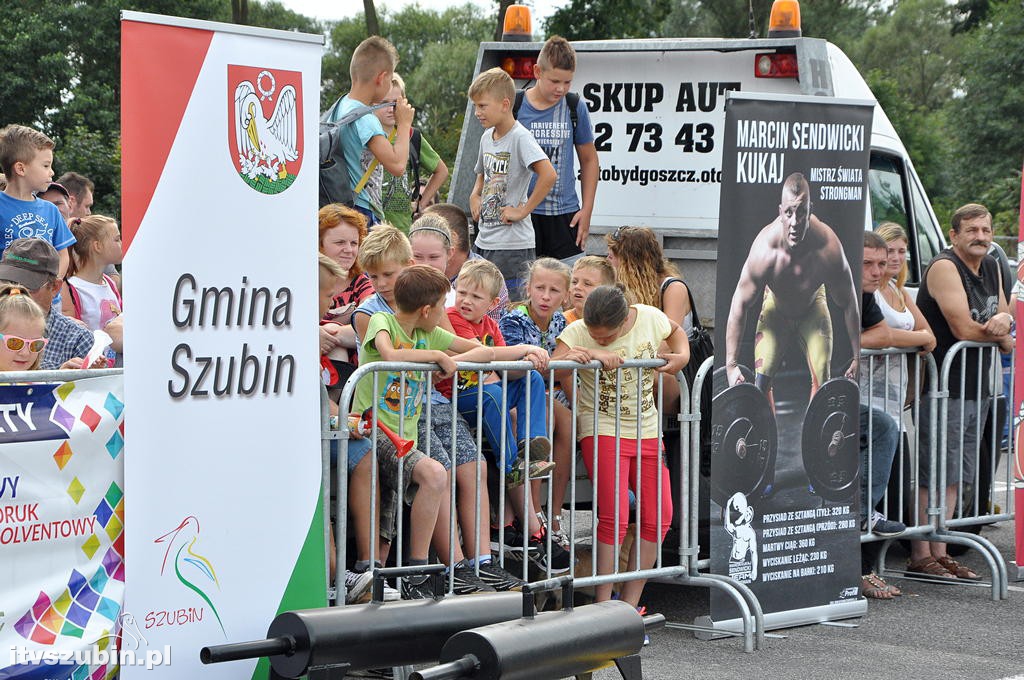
(220, 167)
(785, 485)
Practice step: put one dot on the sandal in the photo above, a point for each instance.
(872, 586)
(957, 569)
(929, 567)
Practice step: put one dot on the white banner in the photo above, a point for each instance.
(61, 528)
(658, 120)
(219, 128)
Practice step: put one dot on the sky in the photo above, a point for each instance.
(333, 10)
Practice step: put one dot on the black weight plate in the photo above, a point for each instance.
(831, 445)
(719, 381)
(744, 441)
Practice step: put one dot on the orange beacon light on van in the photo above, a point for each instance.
(518, 26)
(784, 21)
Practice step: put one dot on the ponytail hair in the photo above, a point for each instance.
(606, 307)
(87, 230)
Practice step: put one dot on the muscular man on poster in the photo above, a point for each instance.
(791, 264)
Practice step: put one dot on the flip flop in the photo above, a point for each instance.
(929, 567)
(957, 569)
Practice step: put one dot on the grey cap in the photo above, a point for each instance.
(30, 262)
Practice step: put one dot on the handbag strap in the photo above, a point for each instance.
(693, 308)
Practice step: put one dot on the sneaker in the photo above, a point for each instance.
(559, 560)
(540, 449)
(513, 538)
(882, 526)
(466, 582)
(357, 584)
(498, 579)
(391, 594)
(417, 588)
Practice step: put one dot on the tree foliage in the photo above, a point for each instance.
(411, 30)
(947, 73)
(989, 115)
(608, 19)
(437, 53)
(62, 74)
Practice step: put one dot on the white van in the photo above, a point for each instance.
(658, 110)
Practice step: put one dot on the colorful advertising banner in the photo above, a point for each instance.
(219, 134)
(785, 488)
(62, 530)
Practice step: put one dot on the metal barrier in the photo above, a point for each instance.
(906, 412)
(924, 409)
(687, 572)
(929, 414)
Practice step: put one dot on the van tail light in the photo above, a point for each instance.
(775, 65)
(519, 67)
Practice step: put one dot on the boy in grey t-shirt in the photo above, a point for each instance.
(508, 155)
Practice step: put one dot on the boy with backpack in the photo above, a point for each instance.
(559, 121)
(403, 199)
(363, 141)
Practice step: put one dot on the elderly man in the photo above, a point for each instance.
(962, 298)
(33, 263)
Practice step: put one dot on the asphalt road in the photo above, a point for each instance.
(933, 632)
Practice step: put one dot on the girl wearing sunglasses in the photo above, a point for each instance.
(21, 330)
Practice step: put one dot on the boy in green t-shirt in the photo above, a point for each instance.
(404, 197)
(412, 334)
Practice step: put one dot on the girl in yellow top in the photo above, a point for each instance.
(610, 332)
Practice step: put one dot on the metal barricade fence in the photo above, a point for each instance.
(404, 381)
(980, 400)
(917, 399)
(895, 388)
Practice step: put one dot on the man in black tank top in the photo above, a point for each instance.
(961, 298)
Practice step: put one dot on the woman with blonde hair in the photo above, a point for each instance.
(650, 279)
(22, 325)
(887, 383)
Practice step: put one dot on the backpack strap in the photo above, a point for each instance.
(693, 308)
(572, 100)
(415, 142)
(76, 300)
(372, 166)
(113, 287)
(330, 115)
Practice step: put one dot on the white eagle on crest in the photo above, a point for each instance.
(265, 146)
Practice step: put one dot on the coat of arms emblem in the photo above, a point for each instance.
(265, 128)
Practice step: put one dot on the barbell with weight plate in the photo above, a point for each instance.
(830, 444)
